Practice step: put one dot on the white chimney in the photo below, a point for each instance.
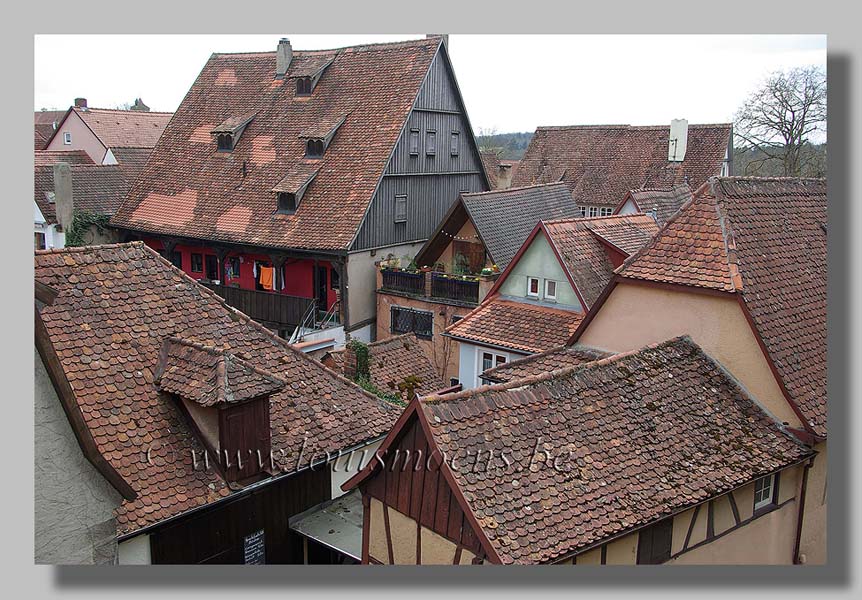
(283, 56)
(678, 140)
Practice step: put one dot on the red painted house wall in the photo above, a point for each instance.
(298, 273)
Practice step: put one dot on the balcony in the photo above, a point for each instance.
(266, 307)
(462, 288)
(407, 282)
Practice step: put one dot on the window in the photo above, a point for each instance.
(212, 267)
(40, 240)
(764, 492)
(455, 144)
(334, 279)
(654, 543)
(414, 142)
(430, 142)
(407, 320)
(67, 138)
(197, 263)
(314, 148)
(231, 267)
(401, 208)
(533, 287)
(303, 86)
(550, 289)
(489, 360)
(456, 318)
(286, 203)
(594, 211)
(582, 211)
(224, 142)
(606, 212)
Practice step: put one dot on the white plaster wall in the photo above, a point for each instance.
(347, 466)
(628, 208)
(135, 551)
(469, 368)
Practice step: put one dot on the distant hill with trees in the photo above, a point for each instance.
(507, 145)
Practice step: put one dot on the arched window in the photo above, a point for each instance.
(314, 148)
(225, 142)
(303, 86)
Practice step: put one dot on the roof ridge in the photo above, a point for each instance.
(122, 110)
(626, 126)
(70, 249)
(544, 353)
(513, 189)
(371, 46)
(549, 375)
(586, 220)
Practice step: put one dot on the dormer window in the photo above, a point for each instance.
(225, 142)
(286, 203)
(314, 148)
(303, 86)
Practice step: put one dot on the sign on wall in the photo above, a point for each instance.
(254, 551)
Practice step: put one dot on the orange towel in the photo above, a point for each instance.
(266, 277)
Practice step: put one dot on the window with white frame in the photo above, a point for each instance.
(606, 212)
(67, 138)
(594, 211)
(764, 492)
(550, 289)
(533, 287)
(491, 360)
(582, 211)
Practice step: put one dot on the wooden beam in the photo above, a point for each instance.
(691, 526)
(733, 507)
(388, 534)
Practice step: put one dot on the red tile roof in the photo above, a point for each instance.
(392, 360)
(600, 163)
(95, 188)
(544, 362)
(521, 326)
(664, 201)
(44, 121)
(115, 307)
(210, 376)
(189, 188)
(631, 452)
(580, 244)
(43, 158)
(766, 240)
(125, 128)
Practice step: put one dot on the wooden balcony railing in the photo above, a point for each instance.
(464, 289)
(408, 282)
(267, 307)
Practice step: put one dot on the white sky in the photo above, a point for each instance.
(509, 82)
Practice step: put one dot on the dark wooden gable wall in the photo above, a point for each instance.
(415, 486)
(431, 183)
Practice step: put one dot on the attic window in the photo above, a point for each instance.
(225, 142)
(67, 138)
(430, 142)
(401, 208)
(414, 142)
(314, 148)
(286, 203)
(455, 144)
(303, 86)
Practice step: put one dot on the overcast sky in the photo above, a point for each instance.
(509, 82)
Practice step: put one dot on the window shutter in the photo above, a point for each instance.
(654, 543)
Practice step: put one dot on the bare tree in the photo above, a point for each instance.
(778, 120)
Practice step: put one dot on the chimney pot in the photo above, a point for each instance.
(81, 102)
(283, 56)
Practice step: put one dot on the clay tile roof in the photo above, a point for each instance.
(95, 188)
(298, 179)
(232, 124)
(44, 158)
(125, 128)
(392, 360)
(209, 376)
(504, 218)
(765, 239)
(115, 306)
(544, 362)
(600, 163)
(664, 200)
(325, 128)
(521, 326)
(187, 187)
(44, 121)
(632, 451)
(309, 64)
(581, 245)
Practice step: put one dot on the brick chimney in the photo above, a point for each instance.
(63, 202)
(81, 102)
(349, 366)
(283, 56)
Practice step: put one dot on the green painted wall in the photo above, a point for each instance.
(539, 261)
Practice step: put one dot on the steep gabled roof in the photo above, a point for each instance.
(521, 326)
(629, 451)
(764, 239)
(502, 218)
(664, 201)
(190, 189)
(124, 128)
(544, 362)
(600, 163)
(44, 121)
(114, 308)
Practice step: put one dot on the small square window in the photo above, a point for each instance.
(303, 86)
(764, 492)
(455, 144)
(582, 211)
(224, 142)
(401, 208)
(197, 263)
(414, 142)
(533, 287)
(314, 148)
(286, 203)
(40, 240)
(67, 138)
(606, 212)
(550, 289)
(430, 142)
(594, 211)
